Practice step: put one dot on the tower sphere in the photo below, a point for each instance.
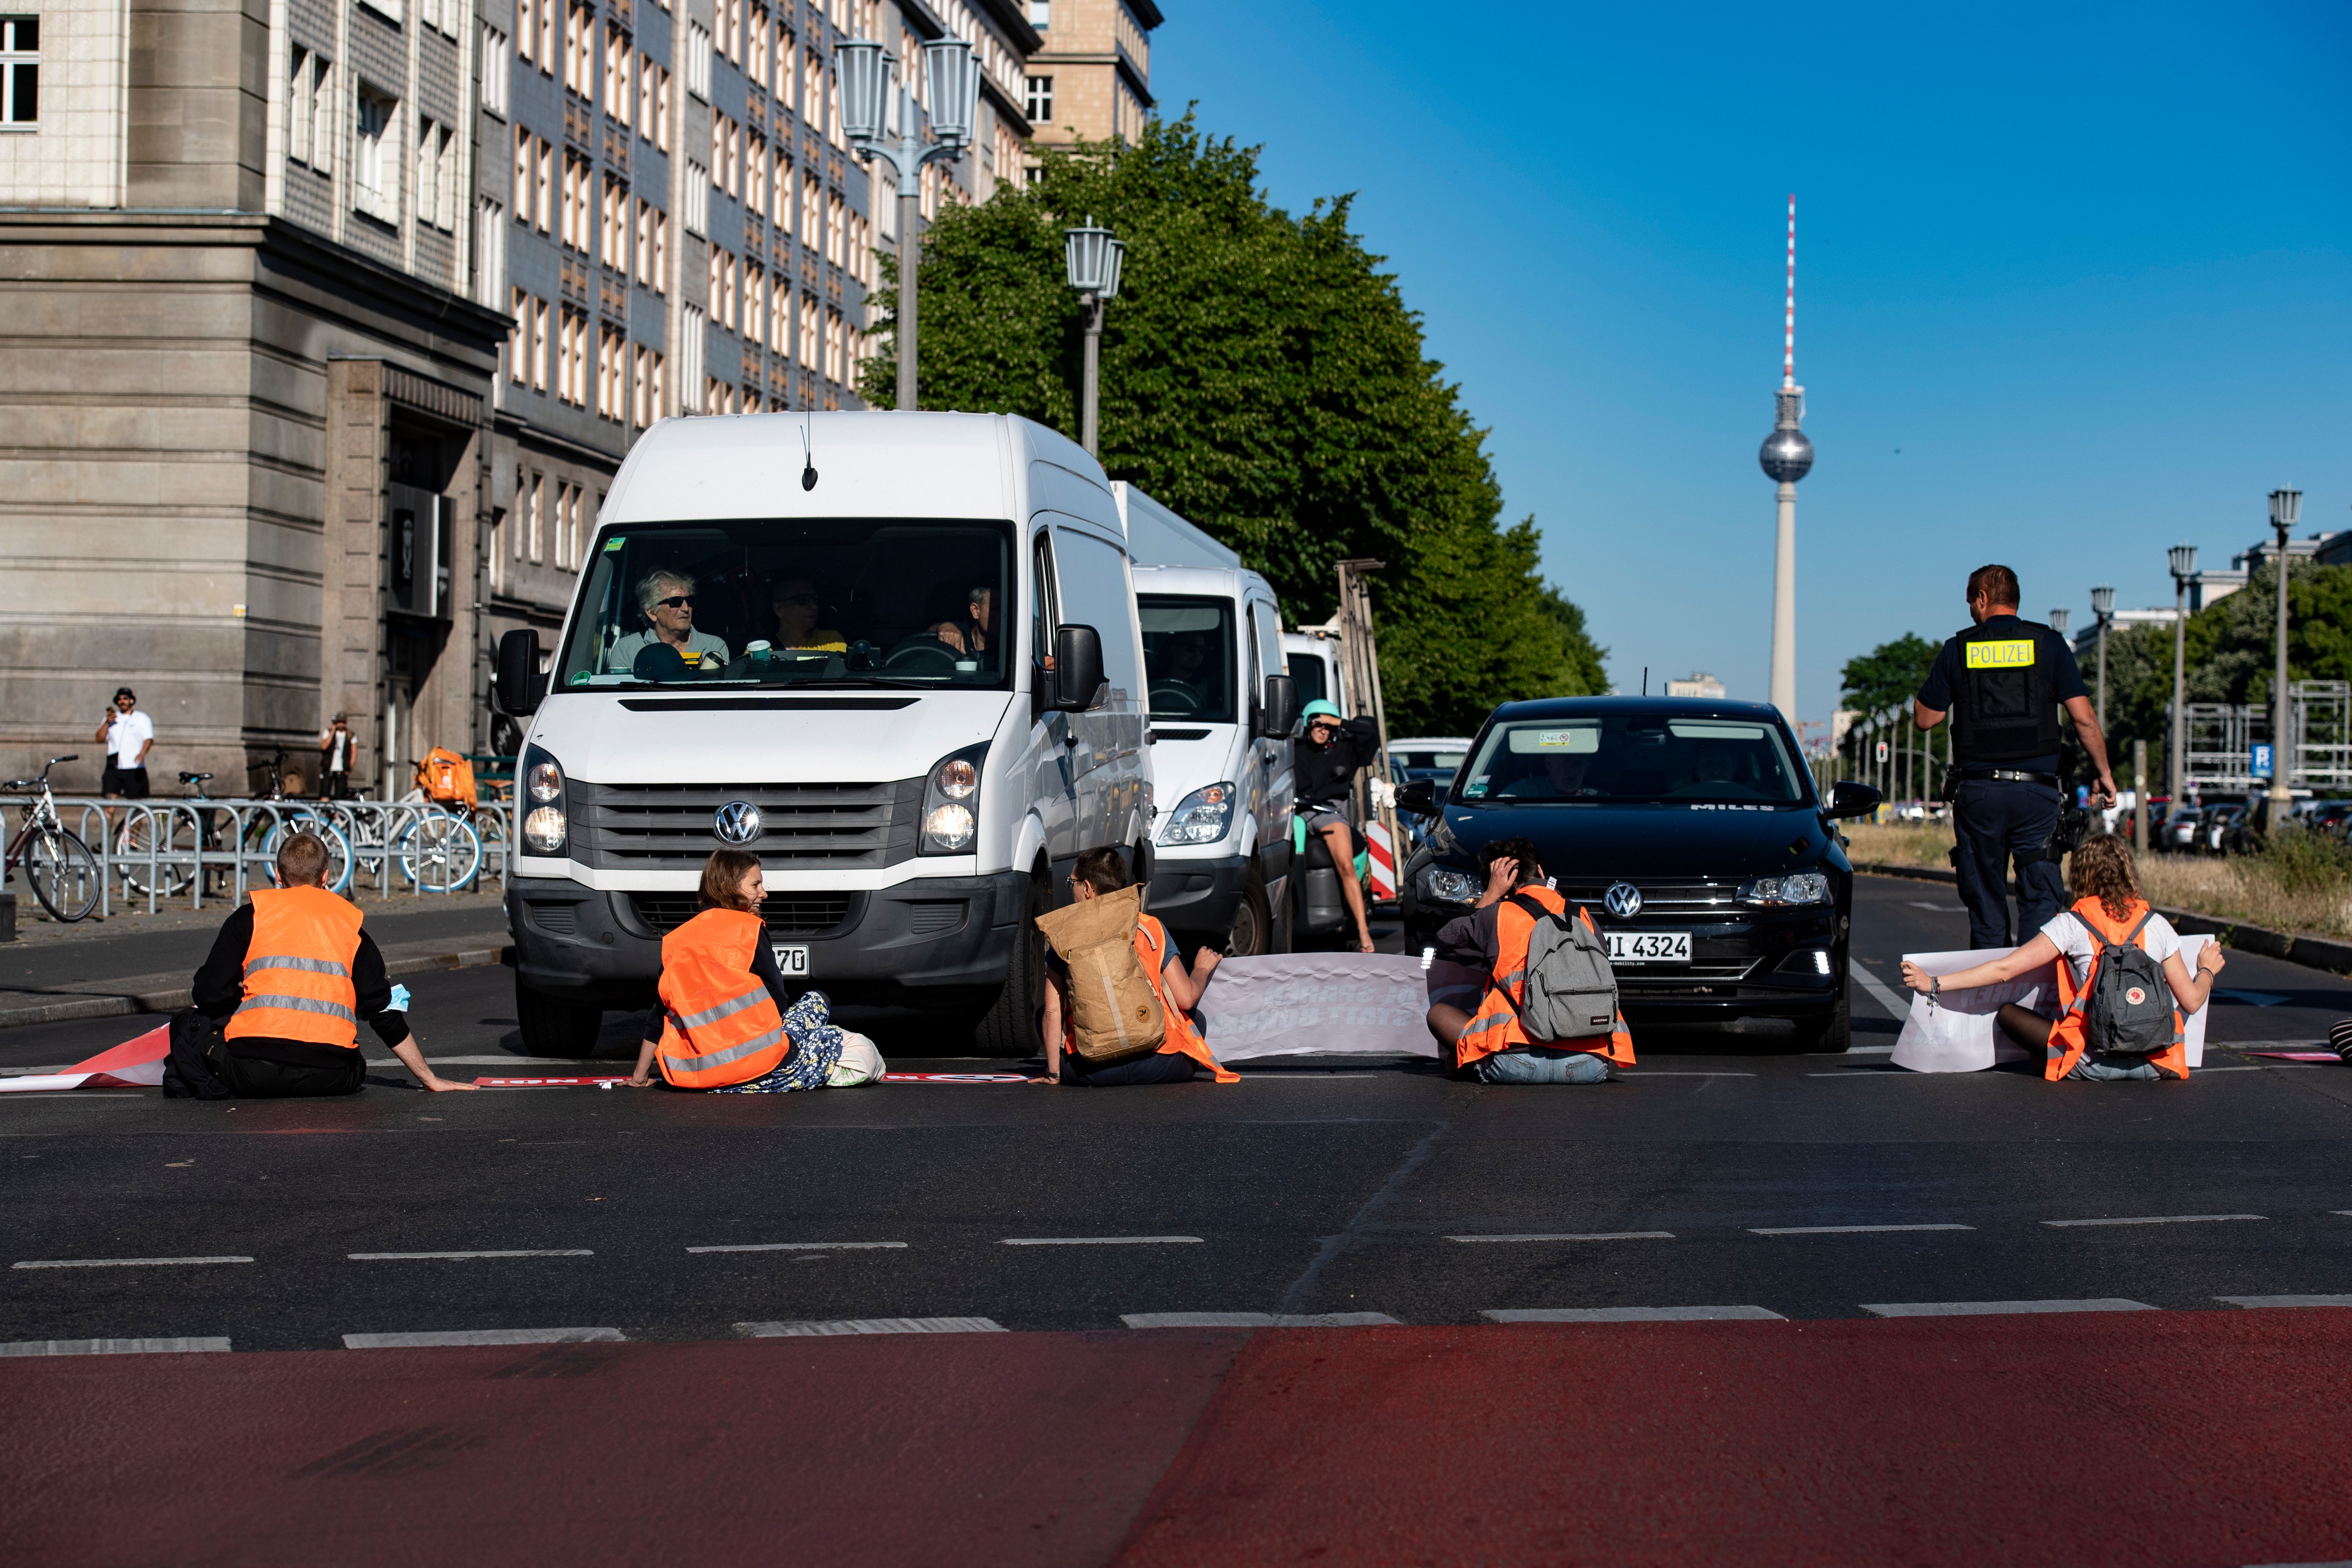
(1786, 455)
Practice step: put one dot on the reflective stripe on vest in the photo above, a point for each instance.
(298, 969)
(710, 1015)
(732, 1053)
(719, 1026)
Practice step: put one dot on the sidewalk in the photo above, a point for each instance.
(142, 963)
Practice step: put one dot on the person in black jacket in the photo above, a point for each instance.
(1325, 763)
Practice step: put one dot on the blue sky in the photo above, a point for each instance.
(2074, 284)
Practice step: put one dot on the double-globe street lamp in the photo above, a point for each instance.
(2103, 605)
(2182, 559)
(878, 115)
(2286, 507)
(1093, 258)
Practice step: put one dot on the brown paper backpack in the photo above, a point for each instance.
(1115, 1013)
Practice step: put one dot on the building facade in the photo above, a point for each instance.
(1090, 77)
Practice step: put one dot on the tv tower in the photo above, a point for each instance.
(1787, 457)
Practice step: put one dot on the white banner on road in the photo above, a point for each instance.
(1957, 1033)
(1317, 1003)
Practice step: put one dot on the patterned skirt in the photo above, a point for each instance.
(816, 1051)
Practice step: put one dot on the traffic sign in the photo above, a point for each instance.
(1882, 750)
(2260, 764)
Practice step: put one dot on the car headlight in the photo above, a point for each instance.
(544, 827)
(951, 804)
(1798, 888)
(1201, 817)
(1444, 885)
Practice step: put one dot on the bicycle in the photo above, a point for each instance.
(261, 836)
(59, 866)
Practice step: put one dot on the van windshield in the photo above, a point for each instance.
(1188, 657)
(856, 602)
(1645, 757)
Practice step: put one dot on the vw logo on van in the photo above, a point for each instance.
(1622, 899)
(737, 822)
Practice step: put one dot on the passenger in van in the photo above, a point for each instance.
(2108, 911)
(726, 1022)
(796, 601)
(1327, 759)
(969, 634)
(666, 599)
(1183, 1051)
(1492, 942)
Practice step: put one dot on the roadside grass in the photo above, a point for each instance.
(2302, 882)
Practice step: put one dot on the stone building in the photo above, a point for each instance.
(1090, 79)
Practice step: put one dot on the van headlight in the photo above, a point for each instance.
(1798, 888)
(1201, 817)
(1445, 885)
(951, 804)
(544, 827)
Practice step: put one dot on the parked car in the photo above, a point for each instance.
(1691, 831)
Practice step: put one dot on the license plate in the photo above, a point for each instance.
(1649, 947)
(792, 960)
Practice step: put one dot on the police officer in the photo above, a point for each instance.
(2002, 682)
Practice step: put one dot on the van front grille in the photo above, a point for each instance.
(803, 825)
(786, 914)
(1685, 899)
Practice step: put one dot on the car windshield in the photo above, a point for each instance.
(1188, 657)
(1438, 767)
(859, 602)
(1306, 674)
(1633, 757)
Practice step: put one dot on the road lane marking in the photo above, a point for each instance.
(1569, 1236)
(111, 1347)
(1939, 909)
(416, 1256)
(120, 1262)
(484, 1337)
(1100, 1241)
(1258, 1321)
(800, 1246)
(872, 1326)
(1650, 1072)
(1870, 1050)
(1879, 991)
(1842, 1229)
(2151, 1219)
(2000, 1309)
(2286, 1300)
(1632, 1315)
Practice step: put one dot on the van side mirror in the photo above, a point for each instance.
(1419, 796)
(517, 687)
(1848, 798)
(1078, 668)
(1279, 710)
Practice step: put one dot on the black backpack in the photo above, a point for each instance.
(186, 1073)
(2126, 1007)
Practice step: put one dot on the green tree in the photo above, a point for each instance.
(1262, 376)
(1889, 675)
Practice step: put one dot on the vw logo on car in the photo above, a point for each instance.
(737, 822)
(1622, 899)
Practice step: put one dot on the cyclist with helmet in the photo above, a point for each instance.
(1330, 751)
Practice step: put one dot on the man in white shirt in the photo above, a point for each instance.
(127, 736)
(667, 599)
(335, 749)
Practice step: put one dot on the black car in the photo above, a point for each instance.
(1692, 831)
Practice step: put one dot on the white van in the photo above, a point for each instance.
(1313, 660)
(823, 638)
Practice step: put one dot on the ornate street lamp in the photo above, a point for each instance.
(2182, 559)
(2059, 617)
(881, 119)
(1093, 259)
(2286, 507)
(2103, 605)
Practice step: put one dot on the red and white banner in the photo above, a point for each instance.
(1384, 862)
(134, 1064)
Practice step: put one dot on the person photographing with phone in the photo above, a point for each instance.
(127, 736)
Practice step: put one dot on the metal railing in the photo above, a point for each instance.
(152, 852)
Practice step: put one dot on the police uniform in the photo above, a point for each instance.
(2001, 682)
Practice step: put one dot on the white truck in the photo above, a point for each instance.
(1221, 710)
(892, 655)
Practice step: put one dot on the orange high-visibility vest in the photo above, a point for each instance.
(1495, 1026)
(719, 1026)
(1179, 1033)
(2067, 1038)
(298, 969)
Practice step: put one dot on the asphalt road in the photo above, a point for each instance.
(1723, 1177)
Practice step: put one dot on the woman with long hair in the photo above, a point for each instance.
(2107, 910)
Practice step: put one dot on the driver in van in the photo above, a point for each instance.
(970, 635)
(795, 599)
(667, 600)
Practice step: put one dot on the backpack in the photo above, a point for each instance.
(1570, 990)
(1115, 1012)
(2126, 1007)
(447, 777)
(187, 1074)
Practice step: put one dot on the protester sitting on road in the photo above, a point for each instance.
(1492, 940)
(666, 601)
(1182, 1049)
(2107, 909)
(796, 601)
(726, 1022)
(1326, 761)
(293, 973)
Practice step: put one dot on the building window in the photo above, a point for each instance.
(616, 74)
(498, 561)
(376, 156)
(612, 374)
(579, 217)
(580, 51)
(489, 250)
(755, 304)
(536, 489)
(437, 176)
(646, 68)
(637, 389)
(1041, 13)
(617, 226)
(756, 68)
(661, 111)
(519, 342)
(755, 177)
(689, 357)
(309, 111)
(497, 68)
(698, 198)
(697, 61)
(526, 31)
(1041, 99)
(571, 359)
(780, 319)
(661, 252)
(806, 354)
(832, 231)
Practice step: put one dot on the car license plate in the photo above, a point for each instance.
(1649, 947)
(790, 961)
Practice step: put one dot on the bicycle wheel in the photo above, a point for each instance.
(63, 872)
(338, 849)
(439, 853)
(132, 845)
